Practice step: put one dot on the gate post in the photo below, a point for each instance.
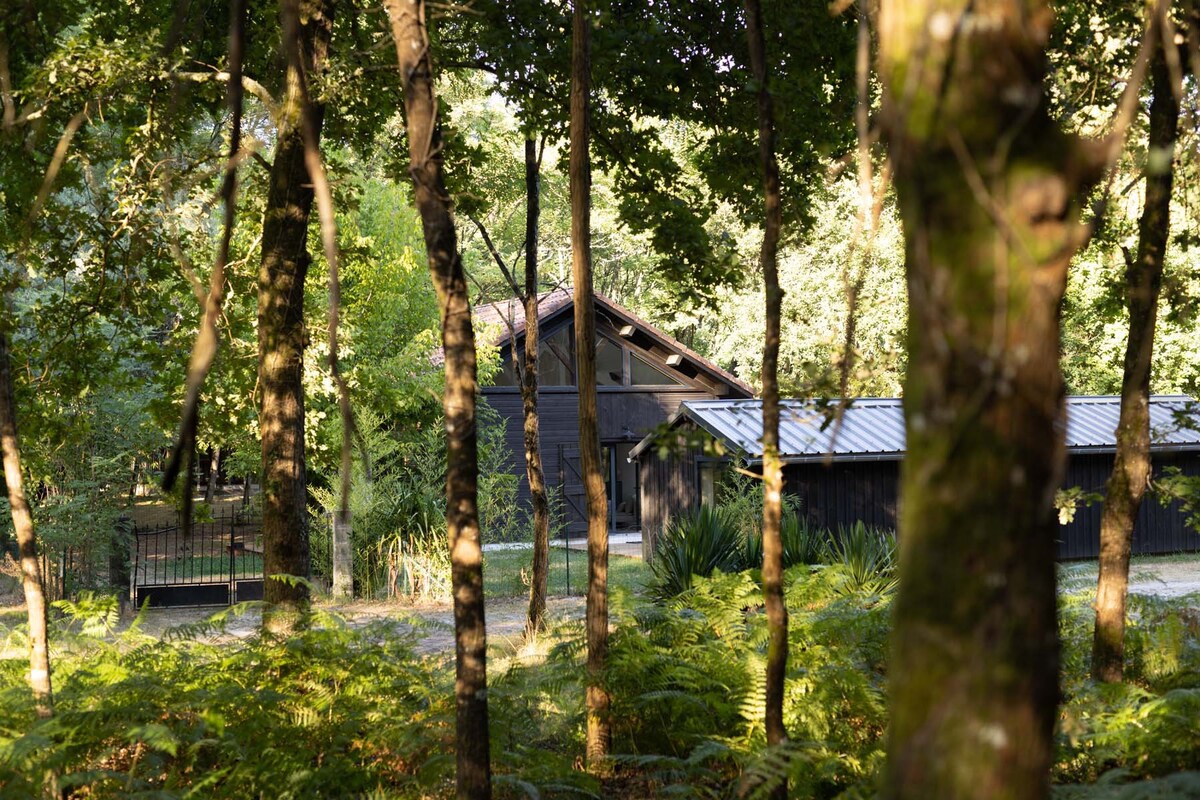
(232, 561)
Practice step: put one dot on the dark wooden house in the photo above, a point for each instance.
(854, 475)
(642, 377)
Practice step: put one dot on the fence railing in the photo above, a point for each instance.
(227, 548)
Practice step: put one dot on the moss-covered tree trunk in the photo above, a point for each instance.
(31, 567)
(772, 568)
(598, 729)
(1131, 468)
(282, 336)
(539, 582)
(409, 31)
(989, 191)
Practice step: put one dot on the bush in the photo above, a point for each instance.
(866, 558)
(697, 544)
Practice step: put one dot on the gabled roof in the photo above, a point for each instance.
(873, 428)
(509, 317)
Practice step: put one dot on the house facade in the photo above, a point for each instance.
(841, 474)
(642, 376)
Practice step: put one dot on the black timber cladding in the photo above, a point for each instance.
(626, 413)
(859, 480)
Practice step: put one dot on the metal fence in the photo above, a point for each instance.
(216, 562)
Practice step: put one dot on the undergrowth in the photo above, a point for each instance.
(341, 710)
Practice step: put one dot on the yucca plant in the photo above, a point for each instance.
(802, 543)
(866, 555)
(696, 544)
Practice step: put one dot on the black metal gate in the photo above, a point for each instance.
(217, 563)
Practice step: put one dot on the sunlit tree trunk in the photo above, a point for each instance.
(772, 569)
(598, 729)
(31, 568)
(214, 469)
(989, 191)
(458, 400)
(539, 583)
(1131, 467)
(342, 556)
(282, 336)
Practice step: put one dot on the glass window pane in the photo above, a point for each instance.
(643, 373)
(609, 369)
(554, 359)
(506, 375)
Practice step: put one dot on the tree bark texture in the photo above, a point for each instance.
(282, 336)
(409, 30)
(772, 569)
(342, 556)
(598, 729)
(1130, 475)
(989, 191)
(539, 502)
(31, 569)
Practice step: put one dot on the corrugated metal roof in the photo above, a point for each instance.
(873, 428)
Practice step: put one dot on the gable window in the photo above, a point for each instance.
(610, 366)
(643, 373)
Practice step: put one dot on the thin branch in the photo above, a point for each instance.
(56, 162)
(204, 350)
(487, 240)
(248, 84)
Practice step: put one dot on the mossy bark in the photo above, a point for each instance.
(282, 336)
(1130, 475)
(772, 567)
(597, 701)
(473, 770)
(539, 582)
(989, 191)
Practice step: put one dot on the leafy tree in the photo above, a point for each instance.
(1130, 474)
(772, 465)
(472, 750)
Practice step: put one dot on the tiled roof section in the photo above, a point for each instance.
(873, 428)
(508, 316)
(507, 319)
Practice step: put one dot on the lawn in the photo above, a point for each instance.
(506, 572)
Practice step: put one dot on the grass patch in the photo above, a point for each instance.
(506, 572)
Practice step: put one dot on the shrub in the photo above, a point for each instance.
(865, 558)
(696, 544)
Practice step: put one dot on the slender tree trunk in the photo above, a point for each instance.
(31, 567)
(282, 336)
(772, 569)
(529, 401)
(342, 556)
(213, 467)
(458, 339)
(1131, 467)
(989, 191)
(598, 732)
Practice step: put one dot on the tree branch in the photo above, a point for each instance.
(248, 84)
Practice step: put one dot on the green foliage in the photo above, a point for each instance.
(696, 544)
(866, 556)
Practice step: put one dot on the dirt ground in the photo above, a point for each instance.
(1173, 576)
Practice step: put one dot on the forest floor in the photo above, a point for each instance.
(1167, 577)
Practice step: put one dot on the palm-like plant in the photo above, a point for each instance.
(697, 544)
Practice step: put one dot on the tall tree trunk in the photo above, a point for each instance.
(539, 584)
(341, 544)
(598, 732)
(282, 336)
(31, 567)
(458, 339)
(1131, 467)
(772, 569)
(989, 192)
